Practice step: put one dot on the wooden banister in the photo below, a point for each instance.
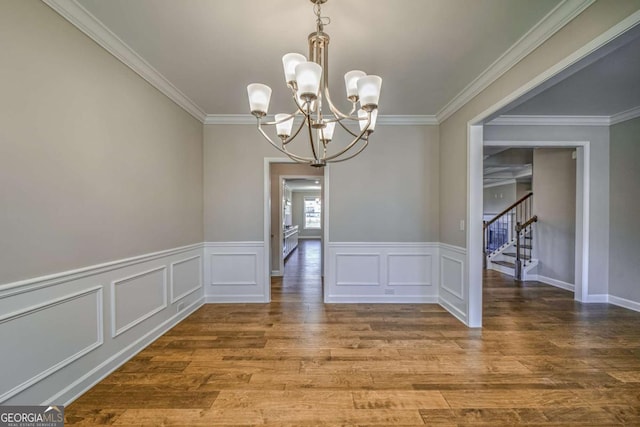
(516, 203)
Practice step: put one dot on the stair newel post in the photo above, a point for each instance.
(518, 267)
(484, 244)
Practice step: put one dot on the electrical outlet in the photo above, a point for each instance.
(389, 291)
(180, 307)
(462, 225)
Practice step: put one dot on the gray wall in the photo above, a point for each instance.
(592, 22)
(389, 193)
(624, 255)
(498, 198)
(554, 201)
(522, 189)
(298, 213)
(95, 164)
(598, 136)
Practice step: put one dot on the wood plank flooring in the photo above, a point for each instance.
(541, 359)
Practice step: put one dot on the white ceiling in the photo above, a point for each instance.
(299, 184)
(426, 51)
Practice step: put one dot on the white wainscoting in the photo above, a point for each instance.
(63, 333)
(381, 273)
(234, 272)
(452, 287)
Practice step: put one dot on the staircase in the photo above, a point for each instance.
(508, 239)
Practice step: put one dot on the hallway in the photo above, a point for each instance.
(302, 280)
(541, 359)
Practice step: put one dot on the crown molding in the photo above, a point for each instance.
(624, 116)
(557, 18)
(415, 120)
(550, 121)
(248, 119)
(77, 15)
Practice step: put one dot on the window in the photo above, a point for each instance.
(312, 210)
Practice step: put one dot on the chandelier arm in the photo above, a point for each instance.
(354, 142)
(288, 154)
(292, 137)
(347, 129)
(365, 145)
(276, 122)
(335, 109)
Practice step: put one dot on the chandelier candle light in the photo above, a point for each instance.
(308, 81)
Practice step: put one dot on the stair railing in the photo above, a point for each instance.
(501, 230)
(521, 232)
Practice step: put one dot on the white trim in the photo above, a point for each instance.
(15, 288)
(385, 299)
(596, 299)
(115, 331)
(472, 277)
(239, 244)
(254, 255)
(310, 237)
(564, 12)
(453, 310)
(82, 19)
(459, 295)
(173, 299)
(234, 299)
(406, 120)
(56, 367)
(624, 303)
(100, 372)
(553, 282)
(389, 120)
(433, 245)
(526, 120)
(452, 248)
(499, 183)
(624, 116)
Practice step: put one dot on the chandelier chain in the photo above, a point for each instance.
(321, 21)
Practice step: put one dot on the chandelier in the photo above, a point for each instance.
(307, 78)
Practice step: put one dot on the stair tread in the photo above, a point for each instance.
(505, 263)
(513, 254)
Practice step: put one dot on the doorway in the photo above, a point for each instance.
(295, 225)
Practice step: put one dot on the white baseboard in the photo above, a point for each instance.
(453, 310)
(235, 299)
(142, 296)
(384, 299)
(93, 377)
(309, 237)
(597, 298)
(553, 282)
(276, 273)
(624, 303)
(501, 269)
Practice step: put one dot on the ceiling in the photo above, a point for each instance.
(607, 85)
(209, 50)
(303, 184)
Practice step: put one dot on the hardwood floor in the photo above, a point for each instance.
(541, 359)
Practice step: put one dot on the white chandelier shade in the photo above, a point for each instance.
(307, 79)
